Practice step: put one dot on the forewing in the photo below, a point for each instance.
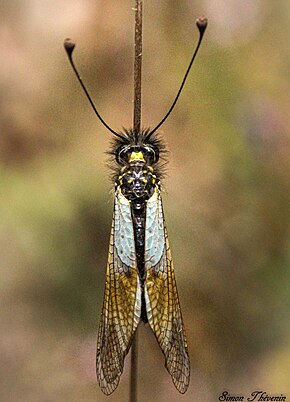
(122, 300)
(162, 303)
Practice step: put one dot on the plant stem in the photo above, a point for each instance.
(137, 127)
(134, 369)
(138, 65)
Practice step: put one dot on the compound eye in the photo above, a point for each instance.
(123, 155)
(152, 154)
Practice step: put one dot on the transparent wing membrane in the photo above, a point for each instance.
(122, 300)
(162, 303)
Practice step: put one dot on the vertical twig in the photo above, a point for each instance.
(136, 126)
(134, 369)
(138, 65)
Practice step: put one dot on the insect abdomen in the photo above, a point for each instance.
(137, 184)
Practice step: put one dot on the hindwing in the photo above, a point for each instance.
(162, 303)
(122, 300)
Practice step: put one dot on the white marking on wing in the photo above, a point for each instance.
(154, 232)
(124, 234)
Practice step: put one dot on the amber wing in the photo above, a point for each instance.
(162, 303)
(122, 300)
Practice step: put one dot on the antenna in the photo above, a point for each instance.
(69, 46)
(201, 23)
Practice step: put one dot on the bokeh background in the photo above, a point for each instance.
(226, 195)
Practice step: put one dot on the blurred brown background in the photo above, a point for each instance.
(227, 193)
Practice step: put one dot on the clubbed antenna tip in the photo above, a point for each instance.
(69, 46)
(201, 24)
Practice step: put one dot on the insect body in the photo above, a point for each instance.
(140, 280)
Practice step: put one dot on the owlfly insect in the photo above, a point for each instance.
(140, 281)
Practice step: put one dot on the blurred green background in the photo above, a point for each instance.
(226, 196)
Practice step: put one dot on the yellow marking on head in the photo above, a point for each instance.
(144, 180)
(136, 156)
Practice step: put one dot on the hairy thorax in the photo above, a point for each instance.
(137, 182)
